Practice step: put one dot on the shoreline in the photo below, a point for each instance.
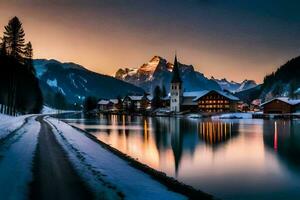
(170, 182)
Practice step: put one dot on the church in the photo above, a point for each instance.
(203, 101)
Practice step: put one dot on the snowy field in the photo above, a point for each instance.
(9, 124)
(16, 155)
(89, 158)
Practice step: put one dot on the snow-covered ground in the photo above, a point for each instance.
(98, 167)
(16, 156)
(49, 110)
(233, 116)
(9, 124)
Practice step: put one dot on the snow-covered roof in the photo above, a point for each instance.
(199, 94)
(166, 97)
(103, 102)
(283, 99)
(150, 97)
(114, 101)
(195, 93)
(136, 98)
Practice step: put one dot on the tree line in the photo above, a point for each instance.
(287, 74)
(19, 87)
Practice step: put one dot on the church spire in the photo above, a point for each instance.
(175, 75)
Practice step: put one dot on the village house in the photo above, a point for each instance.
(109, 105)
(136, 103)
(204, 101)
(281, 105)
(255, 105)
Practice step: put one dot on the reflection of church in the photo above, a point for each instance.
(183, 136)
(204, 101)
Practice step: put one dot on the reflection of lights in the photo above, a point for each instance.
(213, 133)
(276, 137)
(146, 133)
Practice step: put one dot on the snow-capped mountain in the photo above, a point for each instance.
(235, 86)
(75, 82)
(158, 72)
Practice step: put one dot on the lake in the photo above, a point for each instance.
(230, 159)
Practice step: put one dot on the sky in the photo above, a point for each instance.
(232, 39)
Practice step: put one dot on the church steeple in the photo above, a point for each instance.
(175, 75)
(176, 88)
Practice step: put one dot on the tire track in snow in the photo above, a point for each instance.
(86, 168)
(53, 175)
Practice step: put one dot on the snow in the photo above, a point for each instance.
(8, 124)
(233, 116)
(201, 93)
(151, 65)
(16, 159)
(235, 86)
(284, 99)
(90, 158)
(49, 110)
(52, 83)
(246, 85)
(136, 98)
(103, 102)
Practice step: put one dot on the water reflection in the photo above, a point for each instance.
(283, 137)
(248, 154)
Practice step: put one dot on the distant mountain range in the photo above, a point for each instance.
(75, 82)
(235, 87)
(158, 72)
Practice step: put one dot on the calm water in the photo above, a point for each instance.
(231, 159)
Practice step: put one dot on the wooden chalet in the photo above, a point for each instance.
(105, 105)
(281, 105)
(209, 101)
(135, 103)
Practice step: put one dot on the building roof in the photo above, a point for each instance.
(175, 74)
(198, 94)
(168, 97)
(285, 100)
(136, 97)
(114, 101)
(103, 102)
(149, 97)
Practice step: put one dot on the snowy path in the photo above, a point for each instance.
(89, 158)
(54, 177)
(16, 155)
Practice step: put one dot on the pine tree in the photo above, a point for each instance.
(14, 34)
(28, 54)
(164, 91)
(156, 101)
(3, 46)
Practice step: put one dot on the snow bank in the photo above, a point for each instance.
(111, 169)
(233, 116)
(49, 110)
(16, 155)
(8, 124)
(194, 116)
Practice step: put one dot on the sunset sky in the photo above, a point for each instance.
(221, 38)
